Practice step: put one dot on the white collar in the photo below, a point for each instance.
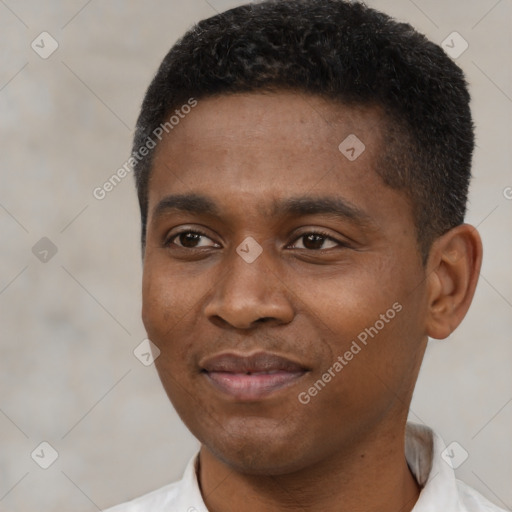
(423, 449)
(440, 491)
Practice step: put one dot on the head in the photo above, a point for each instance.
(333, 145)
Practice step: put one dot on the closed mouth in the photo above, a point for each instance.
(251, 377)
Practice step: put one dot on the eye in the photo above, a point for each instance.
(188, 239)
(314, 240)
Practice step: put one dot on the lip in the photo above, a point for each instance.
(251, 377)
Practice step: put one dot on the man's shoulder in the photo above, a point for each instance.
(181, 495)
(440, 489)
(473, 501)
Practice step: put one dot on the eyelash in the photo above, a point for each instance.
(323, 234)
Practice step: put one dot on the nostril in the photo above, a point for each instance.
(264, 319)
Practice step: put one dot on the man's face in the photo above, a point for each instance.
(263, 162)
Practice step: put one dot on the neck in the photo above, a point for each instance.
(371, 476)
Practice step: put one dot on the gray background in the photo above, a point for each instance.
(69, 325)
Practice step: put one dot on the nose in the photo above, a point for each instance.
(247, 294)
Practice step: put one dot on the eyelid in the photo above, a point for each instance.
(169, 237)
(322, 233)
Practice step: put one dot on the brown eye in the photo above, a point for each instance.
(316, 240)
(189, 240)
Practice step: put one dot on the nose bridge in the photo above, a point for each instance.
(250, 268)
(248, 289)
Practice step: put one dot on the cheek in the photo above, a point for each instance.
(166, 297)
(375, 307)
(155, 300)
(169, 309)
(349, 300)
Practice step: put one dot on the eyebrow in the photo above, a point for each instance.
(192, 203)
(295, 206)
(331, 206)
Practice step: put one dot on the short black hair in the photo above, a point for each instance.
(345, 52)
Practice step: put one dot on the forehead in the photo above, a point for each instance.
(249, 150)
(268, 119)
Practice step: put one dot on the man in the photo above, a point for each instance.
(302, 170)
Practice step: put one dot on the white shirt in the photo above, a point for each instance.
(441, 491)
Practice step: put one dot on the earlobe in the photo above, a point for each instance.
(453, 269)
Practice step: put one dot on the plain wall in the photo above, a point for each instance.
(69, 326)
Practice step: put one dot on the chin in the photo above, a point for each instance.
(256, 449)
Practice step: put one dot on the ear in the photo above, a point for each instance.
(453, 269)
